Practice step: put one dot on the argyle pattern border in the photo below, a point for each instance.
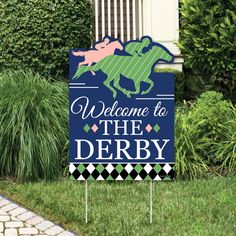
(121, 171)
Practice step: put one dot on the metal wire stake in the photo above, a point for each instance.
(86, 202)
(150, 195)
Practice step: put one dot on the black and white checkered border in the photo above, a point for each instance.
(121, 172)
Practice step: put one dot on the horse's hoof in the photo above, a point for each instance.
(145, 92)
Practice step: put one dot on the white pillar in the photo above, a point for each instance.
(161, 22)
(96, 20)
(128, 19)
(134, 19)
(115, 18)
(109, 16)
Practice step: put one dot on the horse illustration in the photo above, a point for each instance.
(137, 66)
(102, 50)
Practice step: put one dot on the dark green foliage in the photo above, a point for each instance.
(211, 108)
(219, 129)
(224, 150)
(208, 39)
(218, 115)
(33, 126)
(188, 145)
(37, 34)
(205, 136)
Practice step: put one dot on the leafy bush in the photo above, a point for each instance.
(211, 108)
(205, 136)
(225, 150)
(208, 37)
(37, 34)
(33, 126)
(188, 146)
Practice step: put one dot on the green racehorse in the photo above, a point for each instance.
(136, 66)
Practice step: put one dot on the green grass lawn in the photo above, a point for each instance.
(200, 207)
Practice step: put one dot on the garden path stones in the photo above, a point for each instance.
(18, 221)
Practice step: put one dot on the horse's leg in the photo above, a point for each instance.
(137, 89)
(116, 84)
(126, 92)
(151, 84)
(107, 83)
(93, 73)
(83, 63)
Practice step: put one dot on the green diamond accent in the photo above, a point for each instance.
(119, 168)
(157, 168)
(109, 178)
(156, 128)
(128, 178)
(86, 128)
(167, 178)
(71, 177)
(81, 168)
(100, 168)
(148, 178)
(91, 177)
(138, 168)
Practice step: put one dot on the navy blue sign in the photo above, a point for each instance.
(121, 112)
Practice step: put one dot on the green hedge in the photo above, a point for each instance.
(37, 34)
(207, 39)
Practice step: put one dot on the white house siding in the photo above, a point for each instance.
(131, 19)
(126, 26)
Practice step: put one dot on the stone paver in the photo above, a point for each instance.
(44, 225)
(66, 233)
(4, 218)
(18, 221)
(17, 211)
(25, 216)
(2, 213)
(3, 202)
(14, 224)
(10, 232)
(35, 220)
(9, 207)
(55, 230)
(28, 231)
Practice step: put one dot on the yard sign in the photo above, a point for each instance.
(121, 112)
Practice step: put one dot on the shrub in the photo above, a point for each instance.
(211, 108)
(208, 38)
(188, 146)
(225, 149)
(33, 126)
(37, 34)
(205, 136)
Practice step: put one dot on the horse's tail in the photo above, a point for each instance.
(78, 53)
(81, 70)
